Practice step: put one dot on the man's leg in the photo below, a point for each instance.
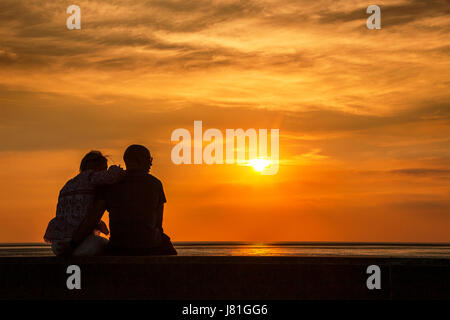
(166, 247)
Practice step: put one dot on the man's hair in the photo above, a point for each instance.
(93, 160)
(135, 152)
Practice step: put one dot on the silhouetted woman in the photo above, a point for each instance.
(74, 201)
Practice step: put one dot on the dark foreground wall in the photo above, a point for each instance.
(190, 277)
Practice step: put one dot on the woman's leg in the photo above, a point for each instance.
(59, 247)
(91, 246)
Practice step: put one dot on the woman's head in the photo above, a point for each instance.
(94, 160)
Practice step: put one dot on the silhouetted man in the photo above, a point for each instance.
(135, 205)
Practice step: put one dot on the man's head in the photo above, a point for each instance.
(137, 157)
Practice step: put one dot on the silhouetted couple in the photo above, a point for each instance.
(135, 202)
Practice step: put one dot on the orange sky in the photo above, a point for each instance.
(364, 115)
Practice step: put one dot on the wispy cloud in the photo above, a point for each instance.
(273, 54)
(422, 172)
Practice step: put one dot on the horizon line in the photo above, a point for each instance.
(265, 243)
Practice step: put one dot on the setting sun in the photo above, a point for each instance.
(259, 164)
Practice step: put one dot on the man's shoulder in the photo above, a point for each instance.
(154, 179)
(139, 178)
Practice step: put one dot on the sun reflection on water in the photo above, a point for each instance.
(256, 250)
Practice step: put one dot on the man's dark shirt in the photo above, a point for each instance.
(132, 204)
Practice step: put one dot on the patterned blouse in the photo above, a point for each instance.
(75, 199)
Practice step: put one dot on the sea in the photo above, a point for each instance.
(306, 249)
